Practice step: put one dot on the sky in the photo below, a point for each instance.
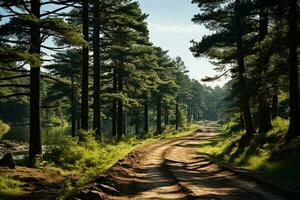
(171, 28)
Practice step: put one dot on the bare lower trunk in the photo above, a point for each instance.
(177, 114)
(146, 117)
(249, 126)
(275, 106)
(120, 108)
(73, 108)
(85, 69)
(294, 128)
(114, 106)
(264, 107)
(264, 116)
(97, 69)
(158, 116)
(166, 114)
(35, 144)
(137, 123)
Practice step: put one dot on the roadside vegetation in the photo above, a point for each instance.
(265, 153)
(4, 128)
(84, 157)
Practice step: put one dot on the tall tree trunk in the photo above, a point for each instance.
(73, 108)
(189, 113)
(146, 115)
(114, 106)
(97, 68)
(294, 128)
(264, 107)
(275, 105)
(177, 114)
(35, 144)
(166, 114)
(242, 121)
(124, 122)
(120, 107)
(249, 126)
(158, 116)
(85, 68)
(137, 122)
(194, 115)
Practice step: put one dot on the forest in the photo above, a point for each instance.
(91, 108)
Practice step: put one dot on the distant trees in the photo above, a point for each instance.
(62, 53)
(251, 40)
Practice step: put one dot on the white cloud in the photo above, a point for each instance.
(187, 29)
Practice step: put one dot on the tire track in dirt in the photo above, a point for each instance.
(174, 169)
(205, 179)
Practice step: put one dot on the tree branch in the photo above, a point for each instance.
(14, 95)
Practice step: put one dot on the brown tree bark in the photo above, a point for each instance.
(166, 114)
(97, 69)
(177, 114)
(264, 107)
(114, 106)
(146, 115)
(73, 108)
(249, 126)
(120, 117)
(35, 144)
(294, 127)
(85, 68)
(275, 106)
(158, 116)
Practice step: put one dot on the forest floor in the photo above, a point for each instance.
(175, 169)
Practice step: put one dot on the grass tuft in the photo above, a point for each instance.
(265, 153)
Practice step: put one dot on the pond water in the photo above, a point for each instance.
(50, 135)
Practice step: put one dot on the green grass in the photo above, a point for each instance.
(265, 153)
(89, 157)
(86, 156)
(9, 187)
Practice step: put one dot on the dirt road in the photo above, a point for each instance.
(174, 169)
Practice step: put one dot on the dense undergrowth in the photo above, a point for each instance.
(9, 186)
(87, 157)
(4, 128)
(265, 152)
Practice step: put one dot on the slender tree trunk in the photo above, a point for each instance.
(85, 68)
(114, 106)
(177, 114)
(249, 126)
(242, 121)
(294, 128)
(158, 116)
(146, 115)
(35, 144)
(97, 69)
(189, 112)
(194, 115)
(275, 106)
(124, 123)
(137, 123)
(166, 114)
(264, 107)
(73, 108)
(78, 123)
(120, 108)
